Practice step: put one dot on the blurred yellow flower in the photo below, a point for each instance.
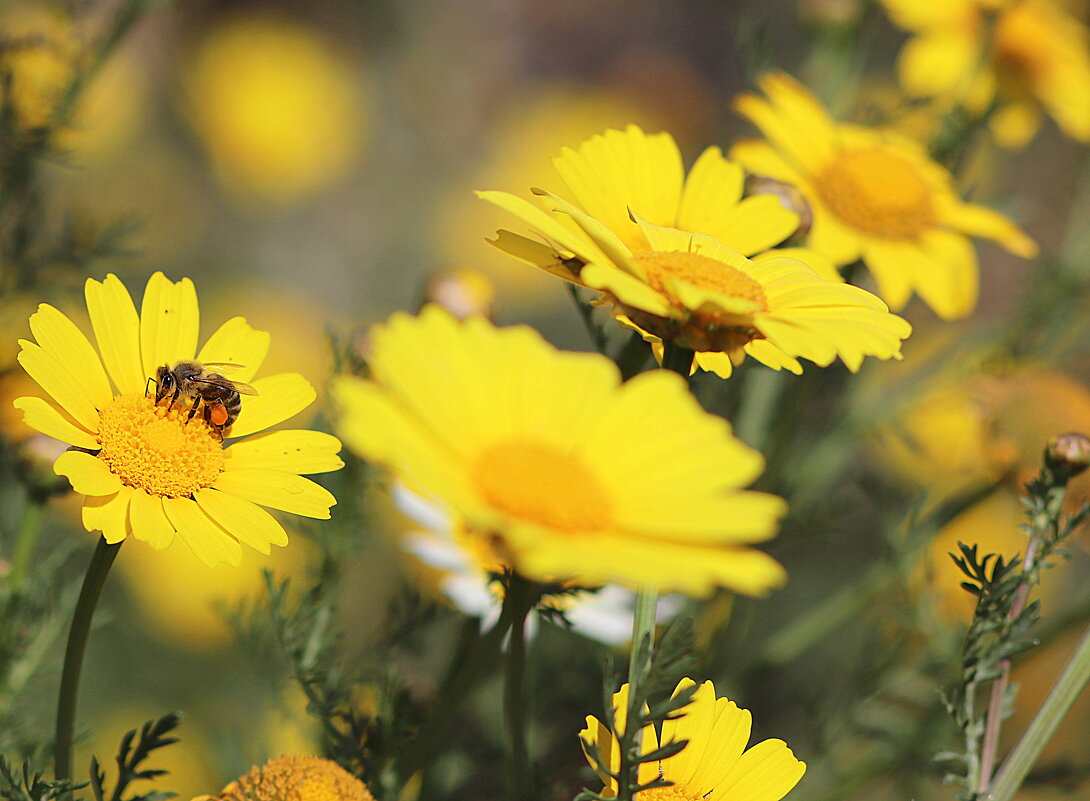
(557, 468)
(875, 196)
(190, 763)
(281, 114)
(183, 600)
(714, 765)
(294, 778)
(971, 430)
(1026, 56)
(149, 470)
(668, 253)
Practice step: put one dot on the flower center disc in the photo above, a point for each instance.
(675, 792)
(539, 484)
(156, 450)
(700, 271)
(877, 193)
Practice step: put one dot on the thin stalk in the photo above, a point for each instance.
(677, 358)
(1063, 694)
(93, 581)
(643, 626)
(632, 356)
(29, 527)
(760, 402)
(452, 693)
(514, 706)
(990, 744)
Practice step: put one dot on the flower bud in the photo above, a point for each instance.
(462, 292)
(1068, 455)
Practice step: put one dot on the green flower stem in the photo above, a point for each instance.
(761, 399)
(29, 527)
(643, 626)
(677, 358)
(520, 599)
(1063, 694)
(632, 356)
(95, 577)
(453, 691)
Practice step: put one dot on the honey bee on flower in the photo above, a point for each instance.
(152, 469)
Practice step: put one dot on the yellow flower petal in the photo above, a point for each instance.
(953, 283)
(614, 248)
(248, 523)
(42, 416)
(209, 543)
(108, 514)
(278, 397)
(535, 253)
(169, 322)
(714, 186)
(983, 222)
(117, 332)
(613, 172)
(59, 384)
(694, 724)
(277, 490)
(235, 342)
(755, 224)
(545, 225)
(626, 288)
(895, 267)
(297, 451)
(766, 772)
(88, 474)
(149, 521)
(59, 337)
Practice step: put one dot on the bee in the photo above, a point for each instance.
(219, 394)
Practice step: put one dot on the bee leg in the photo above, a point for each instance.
(173, 398)
(193, 408)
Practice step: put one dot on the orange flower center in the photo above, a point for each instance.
(675, 792)
(297, 778)
(543, 485)
(700, 271)
(877, 193)
(156, 449)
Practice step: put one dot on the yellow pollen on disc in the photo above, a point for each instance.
(877, 193)
(297, 778)
(700, 271)
(156, 450)
(543, 485)
(675, 792)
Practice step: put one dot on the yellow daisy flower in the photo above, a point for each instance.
(714, 765)
(1028, 57)
(875, 196)
(558, 468)
(147, 469)
(294, 778)
(652, 241)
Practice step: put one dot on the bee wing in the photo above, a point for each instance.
(243, 389)
(223, 365)
(238, 386)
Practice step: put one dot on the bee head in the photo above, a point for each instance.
(164, 383)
